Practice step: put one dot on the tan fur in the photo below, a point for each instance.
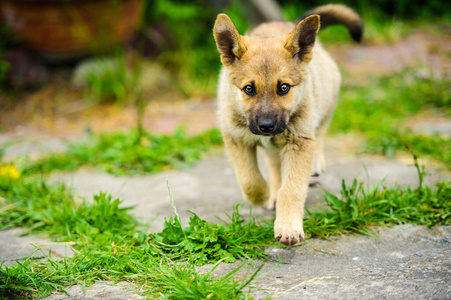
(270, 55)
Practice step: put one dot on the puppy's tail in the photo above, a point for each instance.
(331, 14)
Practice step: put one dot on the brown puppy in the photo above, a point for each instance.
(278, 90)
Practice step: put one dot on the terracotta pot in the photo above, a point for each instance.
(59, 29)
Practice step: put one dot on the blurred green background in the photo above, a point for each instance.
(190, 23)
(177, 35)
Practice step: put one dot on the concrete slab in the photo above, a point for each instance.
(407, 262)
(100, 291)
(21, 144)
(442, 127)
(15, 247)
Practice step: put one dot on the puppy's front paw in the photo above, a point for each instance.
(289, 234)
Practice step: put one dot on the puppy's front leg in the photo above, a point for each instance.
(297, 158)
(244, 160)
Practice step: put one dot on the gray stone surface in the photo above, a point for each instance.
(100, 291)
(406, 262)
(22, 144)
(441, 127)
(16, 247)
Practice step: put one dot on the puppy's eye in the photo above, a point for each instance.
(283, 89)
(249, 89)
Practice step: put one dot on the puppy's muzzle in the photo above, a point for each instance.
(267, 125)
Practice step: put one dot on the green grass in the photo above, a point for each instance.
(435, 147)
(110, 245)
(157, 277)
(359, 208)
(109, 80)
(387, 99)
(208, 242)
(53, 209)
(378, 111)
(128, 153)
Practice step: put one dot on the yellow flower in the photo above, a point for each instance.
(9, 171)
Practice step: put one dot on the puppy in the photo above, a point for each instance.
(278, 89)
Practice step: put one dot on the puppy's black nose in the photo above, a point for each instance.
(266, 126)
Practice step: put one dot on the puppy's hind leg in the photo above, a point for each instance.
(275, 178)
(319, 162)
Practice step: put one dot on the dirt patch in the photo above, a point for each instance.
(420, 49)
(63, 111)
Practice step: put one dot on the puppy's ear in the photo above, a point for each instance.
(301, 40)
(228, 40)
